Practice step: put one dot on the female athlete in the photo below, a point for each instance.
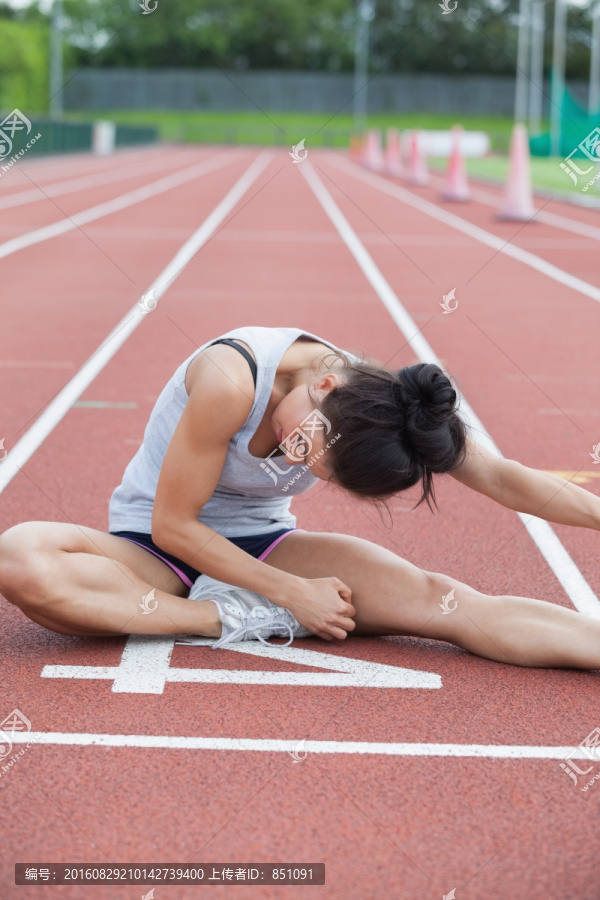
(244, 424)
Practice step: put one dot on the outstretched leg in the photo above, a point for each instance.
(393, 597)
(75, 580)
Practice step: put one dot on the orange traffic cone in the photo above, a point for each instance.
(456, 186)
(373, 154)
(356, 147)
(417, 168)
(392, 158)
(518, 197)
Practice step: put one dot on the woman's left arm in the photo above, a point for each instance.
(527, 490)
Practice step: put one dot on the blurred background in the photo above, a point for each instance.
(277, 71)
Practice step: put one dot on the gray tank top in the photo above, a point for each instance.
(253, 495)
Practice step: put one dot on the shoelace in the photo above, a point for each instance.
(271, 620)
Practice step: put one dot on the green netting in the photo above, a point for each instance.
(20, 135)
(579, 132)
(134, 135)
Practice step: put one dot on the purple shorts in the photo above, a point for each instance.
(257, 545)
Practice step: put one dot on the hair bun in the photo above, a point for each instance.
(399, 428)
(427, 406)
(425, 389)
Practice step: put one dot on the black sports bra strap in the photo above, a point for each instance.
(242, 350)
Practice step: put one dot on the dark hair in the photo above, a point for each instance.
(396, 429)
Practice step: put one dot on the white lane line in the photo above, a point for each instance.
(105, 404)
(554, 219)
(63, 401)
(85, 182)
(175, 742)
(573, 582)
(145, 669)
(474, 231)
(311, 237)
(141, 233)
(118, 203)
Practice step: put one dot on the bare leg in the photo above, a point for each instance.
(76, 580)
(392, 596)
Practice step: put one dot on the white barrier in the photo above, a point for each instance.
(103, 138)
(439, 143)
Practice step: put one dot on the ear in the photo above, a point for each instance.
(326, 384)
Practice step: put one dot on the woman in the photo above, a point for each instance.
(244, 424)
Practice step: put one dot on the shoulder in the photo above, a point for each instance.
(220, 376)
(221, 364)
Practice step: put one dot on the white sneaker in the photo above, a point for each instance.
(244, 615)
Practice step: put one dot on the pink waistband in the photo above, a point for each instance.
(280, 538)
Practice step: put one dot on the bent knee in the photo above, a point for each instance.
(446, 602)
(24, 561)
(37, 534)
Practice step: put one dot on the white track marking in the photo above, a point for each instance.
(554, 219)
(105, 404)
(310, 237)
(143, 665)
(54, 412)
(153, 233)
(85, 182)
(474, 231)
(145, 669)
(141, 233)
(116, 205)
(175, 742)
(573, 582)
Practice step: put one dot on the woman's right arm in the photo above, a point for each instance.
(219, 403)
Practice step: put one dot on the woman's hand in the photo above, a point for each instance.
(323, 606)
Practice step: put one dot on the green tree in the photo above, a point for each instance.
(313, 35)
(23, 65)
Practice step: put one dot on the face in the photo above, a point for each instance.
(292, 419)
